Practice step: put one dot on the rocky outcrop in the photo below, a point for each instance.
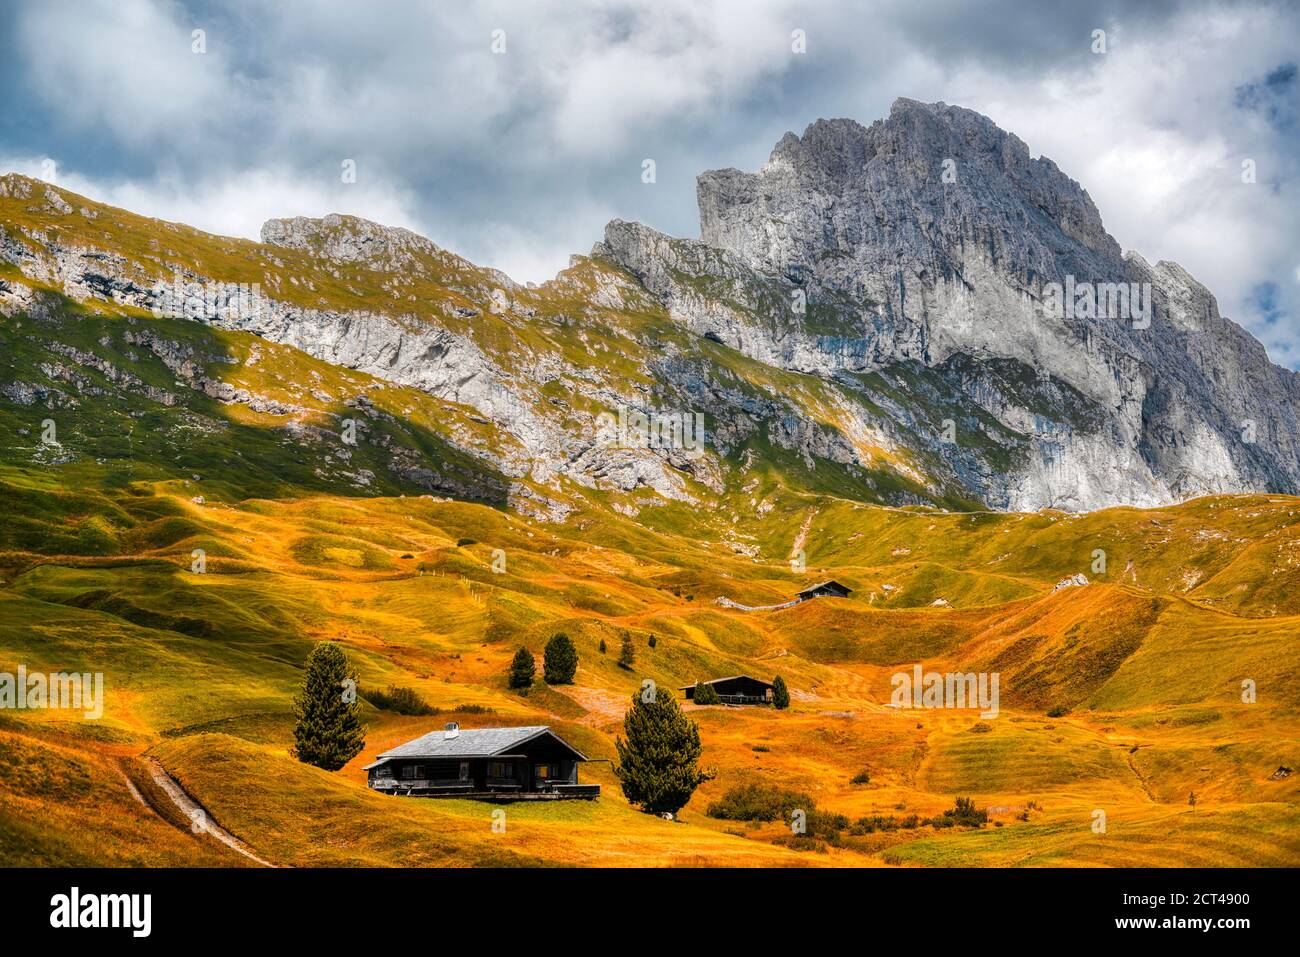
(933, 237)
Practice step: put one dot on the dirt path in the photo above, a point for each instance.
(135, 791)
(802, 536)
(196, 813)
(726, 602)
(1146, 788)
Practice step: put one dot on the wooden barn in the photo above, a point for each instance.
(532, 763)
(739, 689)
(830, 589)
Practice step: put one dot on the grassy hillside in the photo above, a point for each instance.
(1143, 686)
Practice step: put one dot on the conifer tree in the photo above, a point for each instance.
(559, 661)
(780, 694)
(652, 642)
(626, 656)
(328, 732)
(602, 646)
(523, 669)
(658, 764)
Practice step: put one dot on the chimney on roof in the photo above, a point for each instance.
(451, 730)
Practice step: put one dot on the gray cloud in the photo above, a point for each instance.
(517, 160)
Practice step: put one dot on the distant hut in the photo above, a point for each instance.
(827, 589)
(738, 689)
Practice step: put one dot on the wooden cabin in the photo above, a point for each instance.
(830, 589)
(532, 763)
(739, 689)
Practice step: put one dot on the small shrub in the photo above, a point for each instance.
(705, 694)
(862, 777)
(759, 802)
(981, 727)
(461, 543)
(1059, 711)
(401, 701)
(965, 813)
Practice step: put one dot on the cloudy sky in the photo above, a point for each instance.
(517, 158)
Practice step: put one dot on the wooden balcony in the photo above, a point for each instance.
(494, 790)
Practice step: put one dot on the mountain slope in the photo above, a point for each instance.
(860, 318)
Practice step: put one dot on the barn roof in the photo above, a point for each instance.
(830, 583)
(472, 743)
(714, 681)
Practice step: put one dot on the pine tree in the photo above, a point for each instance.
(780, 694)
(705, 694)
(658, 764)
(626, 656)
(523, 669)
(559, 661)
(603, 649)
(652, 642)
(328, 732)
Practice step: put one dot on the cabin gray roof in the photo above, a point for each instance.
(471, 743)
(713, 681)
(826, 584)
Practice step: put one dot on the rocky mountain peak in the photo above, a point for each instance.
(909, 193)
(933, 238)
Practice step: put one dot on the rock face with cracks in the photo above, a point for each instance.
(933, 239)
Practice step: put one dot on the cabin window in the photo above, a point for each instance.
(412, 771)
(500, 769)
(464, 770)
(544, 771)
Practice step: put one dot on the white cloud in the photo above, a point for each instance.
(127, 66)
